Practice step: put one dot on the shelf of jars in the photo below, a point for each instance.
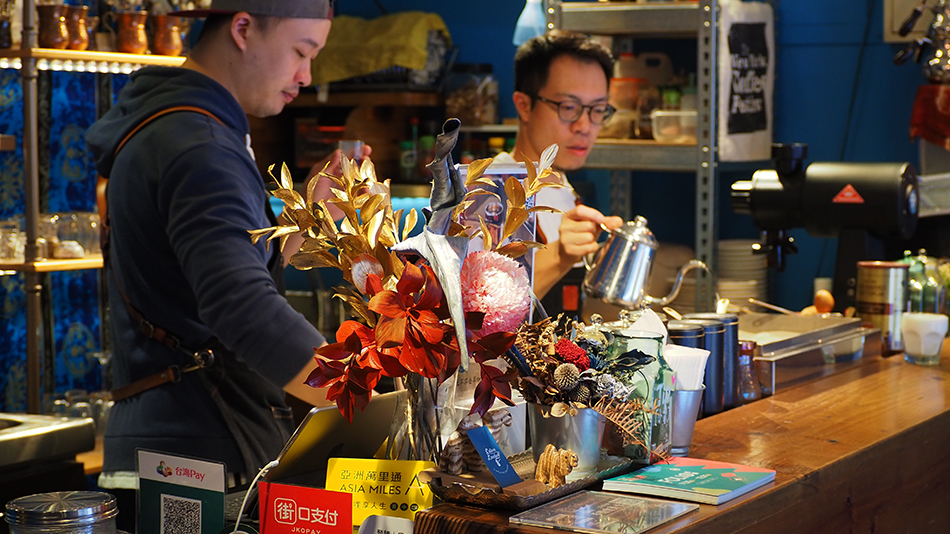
(660, 19)
(84, 60)
(52, 265)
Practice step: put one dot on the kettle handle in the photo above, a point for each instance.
(588, 263)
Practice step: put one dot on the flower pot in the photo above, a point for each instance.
(581, 433)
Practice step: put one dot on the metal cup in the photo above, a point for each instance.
(581, 433)
(685, 411)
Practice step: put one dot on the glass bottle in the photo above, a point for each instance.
(749, 388)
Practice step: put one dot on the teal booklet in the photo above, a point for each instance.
(692, 479)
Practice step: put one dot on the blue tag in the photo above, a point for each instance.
(488, 449)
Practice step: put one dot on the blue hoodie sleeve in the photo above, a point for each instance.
(210, 197)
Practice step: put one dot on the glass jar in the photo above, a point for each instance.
(471, 94)
(648, 99)
(926, 289)
(63, 512)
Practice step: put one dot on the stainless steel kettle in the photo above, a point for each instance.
(622, 268)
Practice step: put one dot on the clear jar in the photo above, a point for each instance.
(63, 512)
(471, 94)
(746, 380)
(648, 99)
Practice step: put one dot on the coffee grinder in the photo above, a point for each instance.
(862, 204)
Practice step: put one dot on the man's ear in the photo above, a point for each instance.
(240, 23)
(523, 105)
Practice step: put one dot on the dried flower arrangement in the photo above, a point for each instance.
(564, 365)
(419, 308)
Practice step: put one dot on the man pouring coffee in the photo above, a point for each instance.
(561, 89)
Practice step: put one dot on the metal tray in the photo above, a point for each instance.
(485, 495)
(793, 349)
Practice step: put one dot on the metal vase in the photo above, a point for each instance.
(581, 433)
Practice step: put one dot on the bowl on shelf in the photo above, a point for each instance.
(674, 126)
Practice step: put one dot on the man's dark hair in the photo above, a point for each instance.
(533, 58)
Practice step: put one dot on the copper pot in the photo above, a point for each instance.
(53, 31)
(130, 32)
(166, 40)
(76, 25)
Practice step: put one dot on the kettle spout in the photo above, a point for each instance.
(693, 264)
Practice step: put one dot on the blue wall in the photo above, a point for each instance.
(825, 53)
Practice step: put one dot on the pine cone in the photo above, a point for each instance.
(566, 376)
(581, 393)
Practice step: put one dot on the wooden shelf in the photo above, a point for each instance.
(88, 60)
(55, 265)
(7, 143)
(372, 98)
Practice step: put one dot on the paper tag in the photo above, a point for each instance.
(488, 449)
(179, 491)
(294, 509)
(380, 487)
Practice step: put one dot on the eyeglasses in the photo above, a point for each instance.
(571, 111)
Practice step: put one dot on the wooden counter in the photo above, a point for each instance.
(863, 451)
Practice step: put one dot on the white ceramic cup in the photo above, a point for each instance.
(923, 335)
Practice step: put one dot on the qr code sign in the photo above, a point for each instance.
(180, 515)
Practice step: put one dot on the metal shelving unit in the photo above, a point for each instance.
(29, 60)
(665, 20)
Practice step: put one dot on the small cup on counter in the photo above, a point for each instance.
(923, 335)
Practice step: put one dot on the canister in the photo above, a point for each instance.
(685, 334)
(63, 512)
(730, 354)
(713, 334)
(882, 298)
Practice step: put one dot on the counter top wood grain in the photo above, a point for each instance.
(865, 450)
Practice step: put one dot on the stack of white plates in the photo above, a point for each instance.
(737, 291)
(742, 275)
(737, 262)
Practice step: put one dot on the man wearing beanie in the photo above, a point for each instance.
(204, 344)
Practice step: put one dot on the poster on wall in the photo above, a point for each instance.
(746, 80)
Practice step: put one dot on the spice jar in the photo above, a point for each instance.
(63, 512)
(471, 94)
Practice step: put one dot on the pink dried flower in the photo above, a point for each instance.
(498, 286)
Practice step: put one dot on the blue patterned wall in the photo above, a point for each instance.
(70, 186)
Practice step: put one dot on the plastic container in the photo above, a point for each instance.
(63, 512)
(673, 126)
(531, 22)
(471, 94)
(620, 126)
(624, 92)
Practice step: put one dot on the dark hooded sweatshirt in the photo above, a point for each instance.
(183, 193)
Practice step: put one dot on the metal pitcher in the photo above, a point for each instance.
(622, 268)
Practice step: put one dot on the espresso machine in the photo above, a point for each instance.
(865, 205)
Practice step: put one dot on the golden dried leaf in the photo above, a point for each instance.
(549, 209)
(309, 260)
(516, 217)
(305, 219)
(515, 249)
(286, 180)
(372, 228)
(282, 231)
(256, 235)
(350, 223)
(486, 234)
(475, 170)
(291, 198)
(410, 223)
(515, 191)
(480, 192)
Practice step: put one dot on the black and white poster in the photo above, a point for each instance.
(746, 80)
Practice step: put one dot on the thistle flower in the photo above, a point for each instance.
(566, 376)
